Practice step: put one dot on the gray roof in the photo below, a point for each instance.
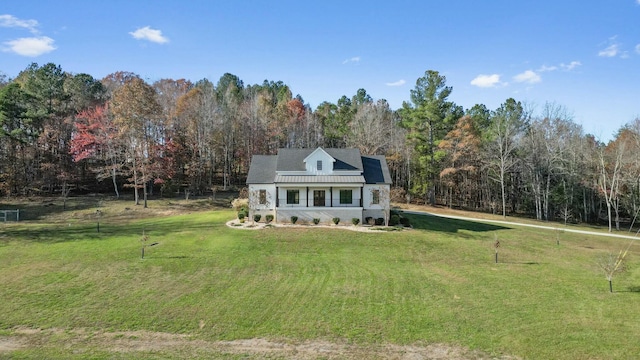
(320, 179)
(373, 167)
(262, 169)
(293, 159)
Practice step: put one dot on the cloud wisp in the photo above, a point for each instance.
(11, 21)
(613, 49)
(355, 59)
(149, 34)
(397, 83)
(31, 47)
(486, 81)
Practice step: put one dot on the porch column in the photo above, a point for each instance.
(361, 196)
(307, 196)
(331, 195)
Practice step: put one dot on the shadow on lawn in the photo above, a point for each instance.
(437, 223)
(56, 233)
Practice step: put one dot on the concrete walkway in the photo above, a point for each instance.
(521, 224)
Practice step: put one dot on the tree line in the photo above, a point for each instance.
(62, 132)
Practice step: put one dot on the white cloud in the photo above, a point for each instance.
(397, 83)
(570, 66)
(610, 51)
(12, 21)
(528, 76)
(32, 47)
(638, 46)
(149, 34)
(354, 59)
(545, 68)
(486, 81)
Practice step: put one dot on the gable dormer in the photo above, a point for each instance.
(319, 162)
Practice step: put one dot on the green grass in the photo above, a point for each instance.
(437, 283)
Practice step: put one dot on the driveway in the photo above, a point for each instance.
(503, 222)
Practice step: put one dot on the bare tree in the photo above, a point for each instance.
(507, 125)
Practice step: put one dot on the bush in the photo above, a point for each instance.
(294, 219)
(405, 222)
(355, 221)
(241, 215)
(394, 220)
(369, 220)
(379, 221)
(336, 220)
(257, 217)
(316, 221)
(268, 218)
(240, 204)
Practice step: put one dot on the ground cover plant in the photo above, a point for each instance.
(69, 291)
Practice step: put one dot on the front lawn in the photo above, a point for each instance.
(206, 282)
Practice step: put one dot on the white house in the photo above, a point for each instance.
(320, 183)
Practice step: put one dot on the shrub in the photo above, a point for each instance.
(240, 203)
(268, 218)
(394, 220)
(369, 220)
(241, 215)
(257, 217)
(379, 221)
(405, 222)
(336, 220)
(294, 219)
(355, 221)
(316, 221)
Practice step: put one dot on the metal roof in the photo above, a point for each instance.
(319, 179)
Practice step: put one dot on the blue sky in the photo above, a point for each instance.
(582, 55)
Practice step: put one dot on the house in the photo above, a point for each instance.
(319, 183)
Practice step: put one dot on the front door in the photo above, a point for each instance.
(318, 198)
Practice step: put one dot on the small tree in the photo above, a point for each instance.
(294, 219)
(496, 245)
(382, 196)
(336, 220)
(144, 241)
(612, 265)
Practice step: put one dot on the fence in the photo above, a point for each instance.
(4, 214)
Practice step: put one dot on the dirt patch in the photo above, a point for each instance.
(180, 345)
(9, 344)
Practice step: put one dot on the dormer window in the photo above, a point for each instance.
(319, 165)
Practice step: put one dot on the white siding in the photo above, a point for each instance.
(312, 163)
(372, 210)
(254, 200)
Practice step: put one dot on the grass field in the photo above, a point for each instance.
(69, 291)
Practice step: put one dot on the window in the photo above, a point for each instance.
(375, 197)
(293, 196)
(346, 197)
(319, 165)
(319, 198)
(263, 197)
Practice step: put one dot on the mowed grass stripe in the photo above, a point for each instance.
(435, 284)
